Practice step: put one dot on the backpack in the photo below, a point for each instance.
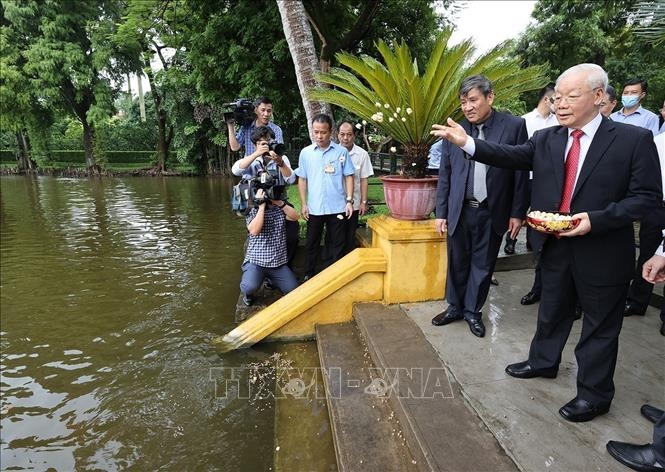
(239, 197)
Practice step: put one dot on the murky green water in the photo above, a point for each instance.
(110, 292)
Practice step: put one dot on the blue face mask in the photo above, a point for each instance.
(629, 101)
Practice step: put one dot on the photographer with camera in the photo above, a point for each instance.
(266, 256)
(268, 157)
(263, 113)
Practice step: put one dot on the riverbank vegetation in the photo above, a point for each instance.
(65, 67)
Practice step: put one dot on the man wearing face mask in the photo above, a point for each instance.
(632, 112)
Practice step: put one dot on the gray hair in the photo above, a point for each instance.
(596, 77)
(480, 82)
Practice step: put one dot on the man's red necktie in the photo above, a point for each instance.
(570, 172)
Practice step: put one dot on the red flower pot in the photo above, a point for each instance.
(410, 199)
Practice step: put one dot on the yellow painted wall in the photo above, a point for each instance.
(406, 263)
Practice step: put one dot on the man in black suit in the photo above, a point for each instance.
(606, 174)
(477, 204)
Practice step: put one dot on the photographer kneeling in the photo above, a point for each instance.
(266, 254)
(268, 156)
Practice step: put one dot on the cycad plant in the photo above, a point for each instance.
(403, 103)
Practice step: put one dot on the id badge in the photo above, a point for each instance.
(329, 169)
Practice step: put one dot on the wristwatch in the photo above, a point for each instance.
(282, 205)
(349, 200)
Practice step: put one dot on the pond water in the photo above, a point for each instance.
(111, 290)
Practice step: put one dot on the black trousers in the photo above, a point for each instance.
(472, 252)
(335, 226)
(603, 306)
(651, 237)
(350, 232)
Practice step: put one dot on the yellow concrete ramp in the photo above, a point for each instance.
(326, 298)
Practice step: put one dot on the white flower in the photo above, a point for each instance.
(378, 104)
(409, 111)
(391, 119)
(413, 163)
(364, 122)
(398, 109)
(378, 117)
(359, 126)
(395, 115)
(393, 149)
(385, 105)
(404, 118)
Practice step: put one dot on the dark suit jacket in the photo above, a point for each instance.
(619, 182)
(507, 191)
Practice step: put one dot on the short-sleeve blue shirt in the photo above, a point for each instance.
(244, 136)
(326, 191)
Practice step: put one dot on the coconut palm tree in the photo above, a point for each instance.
(403, 103)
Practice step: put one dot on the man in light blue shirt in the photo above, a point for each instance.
(263, 112)
(632, 112)
(434, 158)
(325, 184)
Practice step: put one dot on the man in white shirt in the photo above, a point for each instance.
(541, 117)
(346, 135)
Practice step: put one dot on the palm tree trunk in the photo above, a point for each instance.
(301, 45)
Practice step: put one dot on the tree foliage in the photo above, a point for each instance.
(569, 32)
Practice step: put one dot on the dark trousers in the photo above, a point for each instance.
(350, 236)
(253, 275)
(335, 239)
(292, 239)
(603, 306)
(651, 237)
(472, 252)
(659, 439)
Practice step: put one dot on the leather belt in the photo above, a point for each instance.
(476, 203)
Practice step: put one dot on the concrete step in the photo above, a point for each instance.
(365, 431)
(441, 429)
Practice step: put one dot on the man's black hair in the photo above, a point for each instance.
(480, 82)
(545, 90)
(323, 118)
(611, 93)
(262, 132)
(261, 100)
(636, 81)
(349, 122)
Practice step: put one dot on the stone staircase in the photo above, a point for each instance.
(393, 405)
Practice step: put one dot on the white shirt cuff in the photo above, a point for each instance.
(470, 146)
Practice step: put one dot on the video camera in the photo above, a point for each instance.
(268, 183)
(242, 112)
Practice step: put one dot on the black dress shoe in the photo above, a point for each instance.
(477, 327)
(493, 280)
(636, 457)
(651, 413)
(631, 310)
(579, 410)
(578, 313)
(247, 300)
(530, 298)
(523, 370)
(445, 317)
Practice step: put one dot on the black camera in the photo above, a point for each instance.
(242, 112)
(278, 148)
(268, 183)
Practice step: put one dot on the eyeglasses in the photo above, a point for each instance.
(570, 99)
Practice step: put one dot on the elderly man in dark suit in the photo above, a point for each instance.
(477, 204)
(606, 174)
